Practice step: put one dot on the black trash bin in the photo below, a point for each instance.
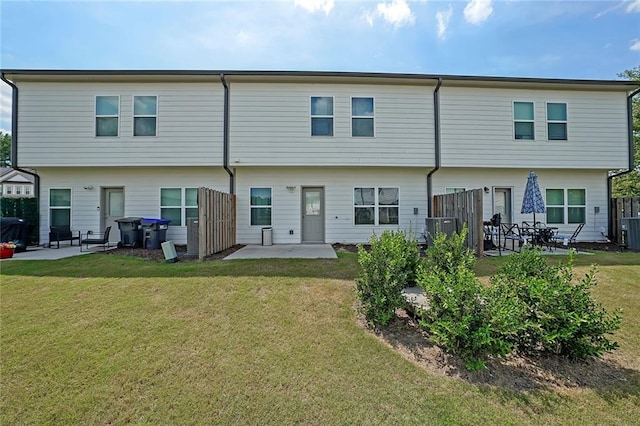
(154, 232)
(130, 232)
(15, 230)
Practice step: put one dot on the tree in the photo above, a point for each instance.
(5, 149)
(628, 185)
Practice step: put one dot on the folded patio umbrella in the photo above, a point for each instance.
(532, 201)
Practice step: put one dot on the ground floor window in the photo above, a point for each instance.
(178, 205)
(261, 203)
(376, 206)
(59, 207)
(566, 206)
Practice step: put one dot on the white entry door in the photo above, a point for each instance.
(502, 204)
(312, 215)
(112, 209)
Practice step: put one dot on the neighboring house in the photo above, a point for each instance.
(319, 156)
(15, 184)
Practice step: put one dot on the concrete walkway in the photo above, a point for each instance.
(42, 253)
(285, 251)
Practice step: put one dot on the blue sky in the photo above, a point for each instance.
(558, 39)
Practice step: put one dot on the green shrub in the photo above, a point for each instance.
(555, 315)
(390, 265)
(459, 317)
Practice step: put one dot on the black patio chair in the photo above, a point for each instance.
(568, 239)
(97, 240)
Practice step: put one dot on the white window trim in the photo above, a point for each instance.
(134, 116)
(566, 122)
(373, 117)
(513, 120)
(376, 206)
(333, 117)
(70, 207)
(183, 203)
(8, 189)
(251, 206)
(95, 116)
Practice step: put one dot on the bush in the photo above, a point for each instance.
(554, 314)
(390, 265)
(459, 317)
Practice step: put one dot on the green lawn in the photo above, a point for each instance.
(106, 339)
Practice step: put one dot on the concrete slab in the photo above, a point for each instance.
(284, 251)
(42, 253)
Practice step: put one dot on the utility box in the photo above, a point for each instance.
(632, 226)
(193, 238)
(447, 225)
(154, 232)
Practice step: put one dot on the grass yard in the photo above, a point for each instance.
(109, 339)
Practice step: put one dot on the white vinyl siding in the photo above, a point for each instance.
(484, 138)
(57, 125)
(270, 126)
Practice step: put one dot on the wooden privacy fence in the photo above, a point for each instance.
(466, 207)
(622, 207)
(216, 221)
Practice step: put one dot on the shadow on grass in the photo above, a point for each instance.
(515, 377)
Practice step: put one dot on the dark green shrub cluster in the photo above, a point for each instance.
(554, 315)
(531, 307)
(459, 317)
(389, 265)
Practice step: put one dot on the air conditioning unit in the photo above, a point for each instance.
(193, 241)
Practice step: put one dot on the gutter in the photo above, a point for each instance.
(14, 137)
(631, 165)
(436, 133)
(225, 136)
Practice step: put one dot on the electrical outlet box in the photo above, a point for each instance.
(415, 210)
(596, 209)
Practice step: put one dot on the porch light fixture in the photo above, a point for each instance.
(88, 187)
(486, 190)
(291, 188)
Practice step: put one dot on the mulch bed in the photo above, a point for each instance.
(181, 251)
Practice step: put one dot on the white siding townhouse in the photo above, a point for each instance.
(319, 156)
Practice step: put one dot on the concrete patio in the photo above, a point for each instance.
(44, 253)
(285, 251)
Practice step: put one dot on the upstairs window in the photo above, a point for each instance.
(107, 115)
(376, 206)
(321, 116)
(453, 190)
(362, 123)
(523, 120)
(145, 115)
(261, 206)
(557, 121)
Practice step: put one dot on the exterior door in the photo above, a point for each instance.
(113, 208)
(502, 204)
(313, 215)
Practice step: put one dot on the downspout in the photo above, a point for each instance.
(14, 137)
(225, 135)
(631, 165)
(436, 133)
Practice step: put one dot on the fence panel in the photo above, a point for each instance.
(466, 207)
(217, 221)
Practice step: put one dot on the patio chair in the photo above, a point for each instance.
(568, 239)
(511, 231)
(95, 239)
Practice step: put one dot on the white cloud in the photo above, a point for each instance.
(397, 13)
(635, 45)
(315, 5)
(633, 6)
(443, 18)
(478, 11)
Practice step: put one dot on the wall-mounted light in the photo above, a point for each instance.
(88, 187)
(486, 189)
(291, 188)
